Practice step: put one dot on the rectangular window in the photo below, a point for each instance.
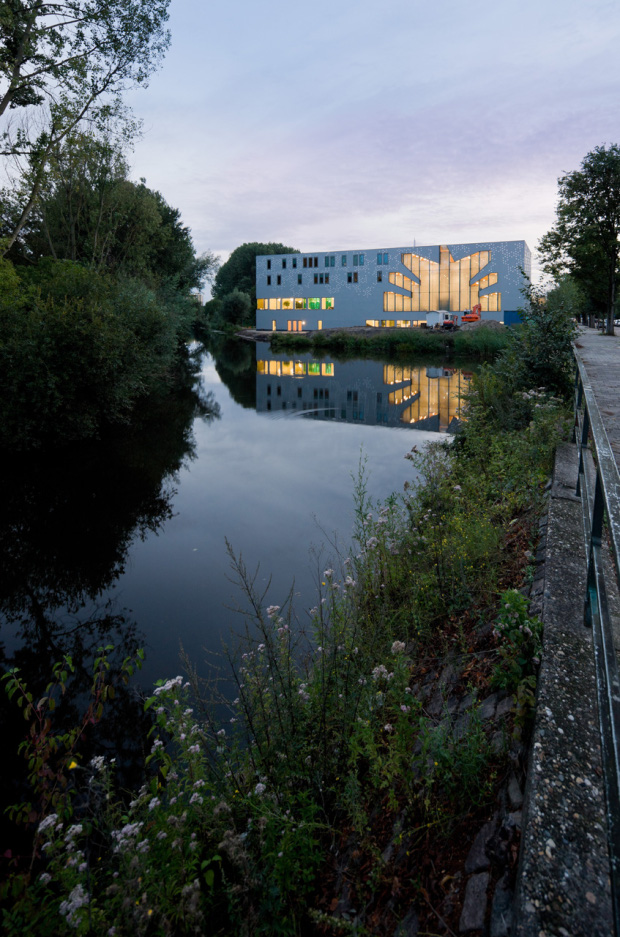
(268, 265)
(284, 264)
(355, 277)
(349, 278)
(261, 304)
(355, 260)
(327, 277)
(332, 260)
(343, 260)
(314, 303)
(386, 258)
(273, 325)
(316, 278)
(299, 278)
(316, 261)
(361, 260)
(279, 280)
(326, 260)
(379, 258)
(321, 279)
(320, 325)
(305, 261)
(294, 263)
(300, 304)
(268, 281)
(379, 276)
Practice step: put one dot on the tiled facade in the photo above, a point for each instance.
(392, 286)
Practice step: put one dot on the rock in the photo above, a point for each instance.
(514, 792)
(501, 909)
(475, 903)
(477, 859)
(505, 707)
(409, 925)
(487, 707)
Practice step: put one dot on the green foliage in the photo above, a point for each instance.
(77, 350)
(239, 271)
(236, 308)
(477, 343)
(584, 241)
(520, 641)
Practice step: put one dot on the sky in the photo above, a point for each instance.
(344, 125)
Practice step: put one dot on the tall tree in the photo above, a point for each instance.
(65, 61)
(239, 271)
(584, 241)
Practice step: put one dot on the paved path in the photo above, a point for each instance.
(601, 356)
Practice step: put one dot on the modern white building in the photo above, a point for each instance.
(393, 286)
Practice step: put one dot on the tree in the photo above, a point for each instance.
(239, 271)
(68, 60)
(236, 308)
(584, 241)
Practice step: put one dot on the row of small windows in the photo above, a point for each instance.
(296, 368)
(324, 278)
(330, 261)
(292, 302)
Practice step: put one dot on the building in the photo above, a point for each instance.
(390, 287)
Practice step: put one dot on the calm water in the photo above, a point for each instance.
(124, 541)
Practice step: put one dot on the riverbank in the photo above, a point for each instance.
(348, 784)
(476, 339)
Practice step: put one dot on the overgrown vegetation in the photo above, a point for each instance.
(477, 343)
(317, 803)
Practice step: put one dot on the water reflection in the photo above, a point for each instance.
(371, 392)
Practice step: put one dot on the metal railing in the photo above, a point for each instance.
(598, 484)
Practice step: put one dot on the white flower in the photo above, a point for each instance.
(272, 611)
(194, 749)
(221, 732)
(97, 762)
(195, 799)
(47, 822)
(169, 685)
(260, 789)
(328, 573)
(154, 802)
(45, 877)
(388, 727)
(398, 647)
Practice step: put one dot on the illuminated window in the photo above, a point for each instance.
(343, 260)
(314, 303)
(300, 304)
(260, 367)
(373, 322)
(327, 302)
(284, 264)
(273, 325)
(403, 323)
(268, 281)
(287, 303)
(300, 370)
(387, 323)
(327, 370)
(299, 277)
(287, 368)
(379, 276)
(314, 367)
(320, 324)
(261, 304)
(268, 265)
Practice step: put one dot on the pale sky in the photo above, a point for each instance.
(352, 124)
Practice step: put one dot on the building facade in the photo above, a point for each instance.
(390, 287)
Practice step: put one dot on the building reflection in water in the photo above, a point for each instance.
(419, 397)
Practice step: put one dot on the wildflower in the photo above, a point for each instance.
(456, 488)
(72, 764)
(162, 835)
(195, 799)
(272, 611)
(379, 671)
(349, 583)
(260, 789)
(221, 732)
(156, 744)
(261, 647)
(404, 708)
(97, 762)
(47, 822)
(388, 727)
(45, 877)
(194, 749)
(328, 573)
(169, 685)
(154, 802)
(398, 647)
(372, 542)
(76, 900)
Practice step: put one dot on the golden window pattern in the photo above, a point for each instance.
(452, 285)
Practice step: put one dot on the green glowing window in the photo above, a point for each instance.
(314, 303)
(314, 367)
